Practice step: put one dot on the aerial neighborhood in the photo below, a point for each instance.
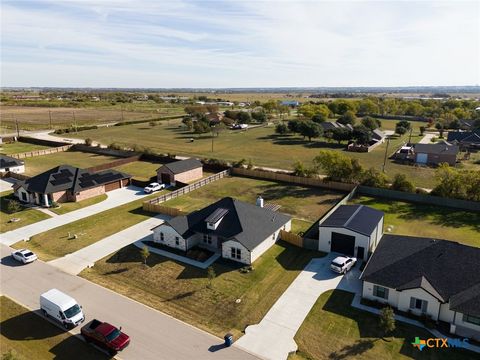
(188, 180)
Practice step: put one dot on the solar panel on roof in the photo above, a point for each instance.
(67, 172)
(216, 215)
(60, 181)
(85, 184)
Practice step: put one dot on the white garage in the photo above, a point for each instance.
(353, 230)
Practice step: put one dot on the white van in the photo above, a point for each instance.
(61, 307)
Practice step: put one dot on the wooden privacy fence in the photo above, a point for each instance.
(41, 152)
(267, 175)
(147, 205)
(166, 210)
(291, 238)
(114, 163)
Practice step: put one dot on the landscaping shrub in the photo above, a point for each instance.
(88, 142)
(13, 206)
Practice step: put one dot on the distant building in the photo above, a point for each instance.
(435, 154)
(8, 163)
(290, 103)
(183, 171)
(465, 139)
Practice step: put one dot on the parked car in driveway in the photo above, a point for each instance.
(342, 264)
(153, 187)
(105, 336)
(24, 255)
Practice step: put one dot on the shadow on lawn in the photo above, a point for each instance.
(294, 258)
(354, 350)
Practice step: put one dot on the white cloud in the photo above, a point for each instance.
(240, 43)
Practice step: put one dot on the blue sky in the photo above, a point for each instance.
(161, 43)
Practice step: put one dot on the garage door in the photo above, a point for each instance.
(422, 158)
(112, 186)
(343, 244)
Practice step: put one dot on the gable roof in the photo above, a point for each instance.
(66, 177)
(440, 148)
(246, 223)
(181, 166)
(464, 136)
(378, 134)
(358, 218)
(8, 161)
(445, 269)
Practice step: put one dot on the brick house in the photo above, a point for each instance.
(66, 183)
(435, 154)
(183, 171)
(237, 230)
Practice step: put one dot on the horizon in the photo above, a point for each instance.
(240, 44)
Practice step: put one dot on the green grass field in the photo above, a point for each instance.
(38, 164)
(304, 203)
(261, 145)
(55, 243)
(335, 330)
(26, 216)
(71, 206)
(427, 220)
(28, 336)
(140, 170)
(19, 147)
(181, 290)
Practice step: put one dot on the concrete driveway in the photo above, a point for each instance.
(154, 335)
(115, 198)
(273, 337)
(6, 184)
(75, 262)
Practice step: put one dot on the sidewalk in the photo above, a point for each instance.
(115, 198)
(75, 262)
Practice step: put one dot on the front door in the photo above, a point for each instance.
(360, 253)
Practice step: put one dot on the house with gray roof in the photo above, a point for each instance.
(183, 171)
(239, 231)
(66, 183)
(8, 163)
(435, 154)
(354, 230)
(424, 276)
(465, 139)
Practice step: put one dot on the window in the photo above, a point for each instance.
(380, 291)
(273, 236)
(162, 237)
(418, 304)
(177, 240)
(207, 238)
(236, 253)
(471, 319)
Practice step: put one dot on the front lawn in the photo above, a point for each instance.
(56, 242)
(38, 164)
(427, 220)
(71, 206)
(181, 290)
(27, 216)
(20, 147)
(304, 203)
(140, 170)
(27, 336)
(335, 330)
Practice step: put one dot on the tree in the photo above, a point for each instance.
(244, 117)
(362, 134)
(144, 253)
(319, 118)
(13, 206)
(401, 183)
(281, 129)
(187, 121)
(299, 169)
(212, 108)
(341, 134)
(294, 126)
(367, 106)
(422, 130)
(400, 130)
(201, 127)
(195, 110)
(88, 142)
(259, 116)
(211, 275)
(339, 167)
(374, 178)
(404, 123)
(371, 123)
(310, 129)
(387, 320)
(440, 126)
(459, 184)
(348, 117)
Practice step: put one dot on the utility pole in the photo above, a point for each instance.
(16, 126)
(121, 111)
(410, 136)
(386, 153)
(74, 121)
(213, 135)
(50, 117)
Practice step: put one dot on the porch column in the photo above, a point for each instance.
(45, 198)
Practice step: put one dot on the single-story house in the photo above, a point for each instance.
(353, 230)
(184, 171)
(421, 276)
(378, 135)
(435, 154)
(239, 231)
(290, 103)
(8, 163)
(66, 183)
(465, 139)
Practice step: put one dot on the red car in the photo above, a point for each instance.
(105, 335)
